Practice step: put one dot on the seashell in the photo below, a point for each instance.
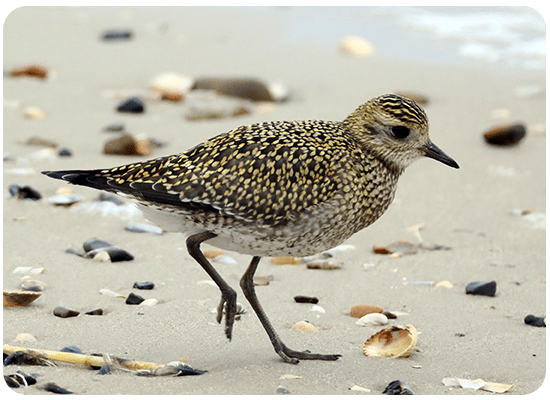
(29, 270)
(64, 312)
(261, 281)
(361, 310)
(306, 299)
(55, 388)
(212, 253)
(108, 292)
(357, 388)
(132, 105)
(143, 228)
(144, 146)
(318, 309)
(338, 249)
(356, 46)
(171, 85)
(133, 299)
(483, 288)
(393, 342)
(304, 326)
(505, 135)
(96, 249)
(403, 248)
(149, 302)
(144, 285)
(444, 284)
(30, 70)
(289, 376)
(33, 113)
(325, 264)
(372, 319)
(19, 298)
(287, 260)
(25, 337)
(477, 384)
(65, 199)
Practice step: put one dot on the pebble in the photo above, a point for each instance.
(34, 113)
(124, 145)
(306, 299)
(64, 153)
(25, 337)
(117, 35)
(261, 281)
(38, 141)
(282, 390)
(33, 286)
(304, 326)
(95, 311)
(325, 264)
(64, 312)
(505, 135)
(131, 105)
(356, 46)
(535, 321)
(360, 310)
(36, 71)
(55, 388)
(114, 127)
(397, 388)
(17, 298)
(116, 254)
(143, 228)
(24, 192)
(402, 248)
(245, 88)
(134, 299)
(372, 319)
(144, 285)
(65, 200)
(483, 288)
(71, 349)
(171, 85)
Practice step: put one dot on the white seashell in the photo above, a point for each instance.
(171, 84)
(109, 292)
(372, 319)
(359, 389)
(304, 326)
(102, 256)
(65, 199)
(356, 46)
(317, 308)
(393, 342)
(149, 302)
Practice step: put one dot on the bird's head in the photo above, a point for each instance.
(395, 129)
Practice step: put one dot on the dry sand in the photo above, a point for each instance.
(468, 210)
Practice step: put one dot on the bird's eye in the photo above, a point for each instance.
(400, 132)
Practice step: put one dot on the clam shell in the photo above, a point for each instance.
(372, 319)
(393, 342)
(19, 298)
(304, 326)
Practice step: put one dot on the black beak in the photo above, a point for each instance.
(432, 151)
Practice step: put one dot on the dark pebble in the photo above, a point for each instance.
(124, 145)
(11, 381)
(92, 247)
(71, 349)
(535, 321)
(245, 88)
(110, 197)
(397, 388)
(117, 35)
(132, 105)
(116, 127)
(24, 192)
(23, 358)
(118, 254)
(144, 285)
(64, 312)
(105, 370)
(64, 153)
(55, 388)
(389, 315)
(505, 135)
(95, 311)
(282, 390)
(483, 288)
(134, 299)
(306, 299)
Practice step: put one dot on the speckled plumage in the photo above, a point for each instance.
(279, 188)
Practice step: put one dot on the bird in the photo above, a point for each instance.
(281, 188)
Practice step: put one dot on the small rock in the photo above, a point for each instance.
(38, 141)
(71, 349)
(55, 388)
(131, 105)
(245, 88)
(483, 288)
(105, 370)
(444, 284)
(144, 228)
(535, 321)
(64, 312)
(134, 299)
(356, 46)
(115, 127)
(124, 145)
(25, 337)
(505, 135)
(64, 153)
(95, 311)
(397, 388)
(30, 70)
(360, 310)
(144, 285)
(304, 326)
(171, 85)
(117, 35)
(282, 390)
(32, 286)
(306, 299)
(261, 281)
(33, 113)
(17, 298)
(325, 264)
(24, 192)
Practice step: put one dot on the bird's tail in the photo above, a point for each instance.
(89, 178)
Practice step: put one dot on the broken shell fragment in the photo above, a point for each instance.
(361, 310)
(304, 326)
(393, 342)
(19, 298)
(372, 319)
(325, 264)
(403, 248)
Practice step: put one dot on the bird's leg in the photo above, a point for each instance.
(229, 296)
(288, 355)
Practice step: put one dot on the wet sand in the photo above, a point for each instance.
(468, 210)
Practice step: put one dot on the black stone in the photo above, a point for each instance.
(64, 312)
(116, 127)
(483, 288)
(118, 254)
(71, 349)
(306, 299)
(105, 370)
(397, 388)
(535, 321)
(134, 299)
(64, 153)
(95, 244)
(117, 35)
(24, 192)
(55, 388)
(132, 105)
(144, 285)
(95, 311)
(19, 378)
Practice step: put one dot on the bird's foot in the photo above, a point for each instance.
(228, 304)
(293, 356)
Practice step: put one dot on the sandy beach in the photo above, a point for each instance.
(490, 213)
